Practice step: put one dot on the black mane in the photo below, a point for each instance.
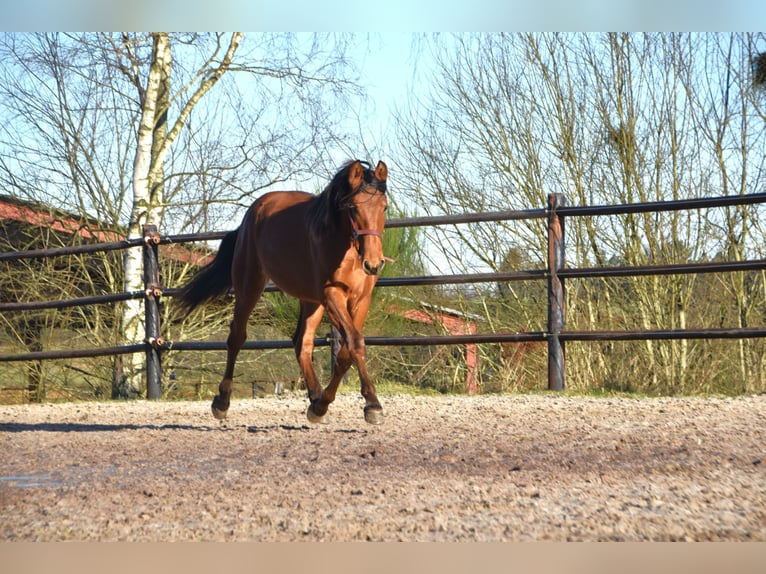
(338, 195)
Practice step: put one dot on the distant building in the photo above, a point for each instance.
(455, 323)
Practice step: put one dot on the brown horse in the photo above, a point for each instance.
(327, 251)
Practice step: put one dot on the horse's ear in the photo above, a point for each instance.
(355, 174)
(381, 171)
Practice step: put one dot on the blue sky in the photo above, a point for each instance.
(387, 64)
(391, 15)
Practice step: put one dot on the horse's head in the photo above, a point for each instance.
(367, 213)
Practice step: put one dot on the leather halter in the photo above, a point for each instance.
(356, 233)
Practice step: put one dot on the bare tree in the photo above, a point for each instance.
(602, 118)
(154, 140)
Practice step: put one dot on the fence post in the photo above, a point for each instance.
(556, 292)
(152, 294)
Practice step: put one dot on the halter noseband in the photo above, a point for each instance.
(356, 233)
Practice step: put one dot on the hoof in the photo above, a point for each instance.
(218, 412)
(373, 416)
(315, 418)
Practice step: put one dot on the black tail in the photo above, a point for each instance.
(212, 281)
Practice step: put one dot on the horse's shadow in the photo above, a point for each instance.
(83, 427)
(98, 427)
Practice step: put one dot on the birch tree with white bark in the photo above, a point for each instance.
(152, 145)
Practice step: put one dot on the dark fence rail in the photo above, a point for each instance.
(460, 279)
(555, 274)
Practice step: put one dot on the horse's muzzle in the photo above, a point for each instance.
(370, 269)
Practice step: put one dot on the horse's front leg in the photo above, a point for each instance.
(348, 317)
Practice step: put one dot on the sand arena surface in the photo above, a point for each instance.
(451, 468)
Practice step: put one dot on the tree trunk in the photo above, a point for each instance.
(153, 142)
(147, 208)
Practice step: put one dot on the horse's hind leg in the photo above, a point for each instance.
(340, 367)
(247, 295)
(303, 341)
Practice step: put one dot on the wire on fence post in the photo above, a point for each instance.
(152, 294)
(556, 292)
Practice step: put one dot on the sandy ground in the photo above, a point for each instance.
(488, 468)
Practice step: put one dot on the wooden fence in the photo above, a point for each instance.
(555, 275)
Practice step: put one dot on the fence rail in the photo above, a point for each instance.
(459, 279)
(555, 274)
